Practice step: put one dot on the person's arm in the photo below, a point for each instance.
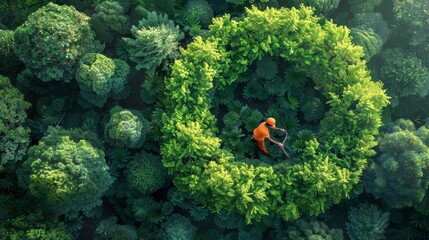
(276, 128)
(276, 143)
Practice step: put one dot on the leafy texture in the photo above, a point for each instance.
(126, 128)
(415, 15)
(177, 227)
(367, 222)
(146, 173)
(400, 174)
(14, 136)
(303, 230)
(155, 39)
(368, 39)
(404, 74)
(200, 10)
(320, 6)
(33, 227)
(66, 171)
(108, 229)
(266, 68)
(8, 60)
(109, 20)
(331, 164)
(363, 6)
(374, 21)
(100, 77)
(52, 41)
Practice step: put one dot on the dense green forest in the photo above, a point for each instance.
(134, 119)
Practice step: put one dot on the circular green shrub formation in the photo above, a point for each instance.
(330, 164)
(146, 173)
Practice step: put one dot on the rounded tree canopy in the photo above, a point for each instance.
(52, 41)
(66, 171)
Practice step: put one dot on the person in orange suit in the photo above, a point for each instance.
(262, 132)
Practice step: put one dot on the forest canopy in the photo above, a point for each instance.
(135, 119)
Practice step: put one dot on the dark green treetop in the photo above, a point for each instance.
(52, 41)
(14, 136)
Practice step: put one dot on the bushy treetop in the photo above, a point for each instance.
(126, 128)
(66, 171)
(99, 77)
(155, 39)
(400, 174)
(14, 136)
(52, 41)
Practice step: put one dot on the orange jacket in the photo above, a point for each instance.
(261, 132)
(259, 135)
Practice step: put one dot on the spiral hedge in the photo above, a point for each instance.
(330, 165)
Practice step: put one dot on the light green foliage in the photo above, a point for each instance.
(99, 77)
(266, 68)
(177, 227)
(33, 227)
(363, 6)
(146, 173)
(108, 229)
(368, 39)
(367, 222)
(109, 20)
(126, 128)
(320, 6)
(414, 14)
(66, 171)
(374, 21)
(52, 41)
(14, 136)
(331, 163)
(404, 74)
(198, 9)
(400, 174)
(8, 60)
(313, 230)
(155, 39)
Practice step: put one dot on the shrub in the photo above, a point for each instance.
(368, 39)
(374, 21)
(126, 128)
(14, 135)
(320, 6)
(266, 68)
(99, 77)
(146, 173)
(200, 10)
(363, 6)
(66, 171)
(33, 226)
(155, 39)
(415, 15)
(52, 41)
(109, 21)
(303, 230)
(400, 175)
(9, 62)
(367, 222)
(177, 227)
(404, 74)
